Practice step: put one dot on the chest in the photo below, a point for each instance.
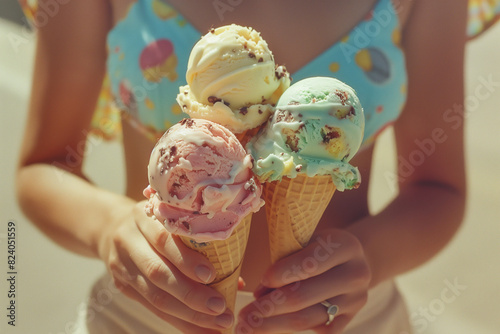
(296, 31)
(307, 37)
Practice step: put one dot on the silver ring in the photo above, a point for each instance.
(331, 310)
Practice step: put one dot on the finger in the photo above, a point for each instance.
(191, 263)
(144, 261)
(311, 317)
(255, 322)
(348, 307)
(166, 303)
(336, 327)
(261, 291)
(197, 323)
(325, 252)
(294, 322)
(299, 295)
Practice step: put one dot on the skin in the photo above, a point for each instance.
(152, 266)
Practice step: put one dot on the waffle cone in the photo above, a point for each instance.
(293, 209)
(245, 136)
(226, 256)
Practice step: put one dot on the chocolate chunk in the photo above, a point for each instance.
(293, 143)
(189, 123)
(342, 96)
(330, 135)
(284, 116)
(250, 185)
(213, 99)
(244, 110)
(186, 225)
(280, 72)
(280, 115)
(251, 54)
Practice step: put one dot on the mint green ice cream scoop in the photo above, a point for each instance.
(316, 129)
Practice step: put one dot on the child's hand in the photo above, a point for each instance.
(332, 267)
(155, 268)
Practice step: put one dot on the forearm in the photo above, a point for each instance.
(67, 208)
(411, 230)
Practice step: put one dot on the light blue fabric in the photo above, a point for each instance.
(151, 104)
(368, 59)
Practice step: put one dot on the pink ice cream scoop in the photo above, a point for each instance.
(201, 181)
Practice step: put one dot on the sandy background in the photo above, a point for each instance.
(53, 283)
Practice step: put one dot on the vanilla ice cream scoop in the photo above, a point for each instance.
(232, 79)
(201, 182)
(317, 128)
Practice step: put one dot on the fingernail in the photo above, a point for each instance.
(204, 273)
(224, 320)
(216, 304)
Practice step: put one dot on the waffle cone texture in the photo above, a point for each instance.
(293, 209)
(245, 136)
(226, 256)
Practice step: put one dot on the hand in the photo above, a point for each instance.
(154, 267)
(332, 267)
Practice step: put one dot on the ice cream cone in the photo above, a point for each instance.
(226, 256)
(293, 209)
(245, 136)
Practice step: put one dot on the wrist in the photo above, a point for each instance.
(118, 214)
